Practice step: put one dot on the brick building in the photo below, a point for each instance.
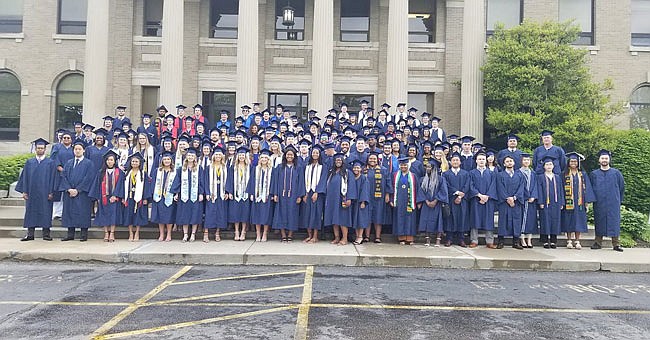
(57, 56)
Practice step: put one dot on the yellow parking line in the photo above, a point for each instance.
(237, 277)
(194, 298)
(65, 303)
(197, 322)
(478, 308)
(224, 304)
(97, 334)
(302, 321)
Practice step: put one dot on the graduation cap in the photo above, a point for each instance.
(328, 145)
(192, 151)
(188, 118)
(184, 138)
(412, 109)
(454, 155)
(170, 116)
(89, 127)
(314, 124)
(403, 160)
(269, 129)
(362, 138)
(546, 133)
(147, 115)
(525, 155)
(101, 132)
(467, 139)
(412, 146)
(280, 106)
(275, 138)
(353, 114)
(240, 133)
(445, 145)
(401, 104)
(122, 134)
(435, 119)
(265, 152)
(256, 138)
(604, 152)
(334, 111)
(242, 149)
(371, 136)
(513, 136)
(304, 142)
(435, 162)
(181, 107)
(162, 107)
(490, 152)
(198, 106)
(480, 153)
(78, 123)
(363, 101)
(547, 159)
(107, 118)
(224, 112)
(40, 141)
(356, 162)
(218, 149)
(257, 104)
(440, 147)
(452, 136)
(135, 155)
(245, 107)
(346, 139)
(289, 134)
(290, 148)
(110, 153)
(342, 104)
(350, 129)
(168, 154)
(575, 155)
(339, 155)
(126, 122)
(427, 143)
(200, 124)
(371, 119)
(426, 114)
(386, 105)
(80, 142)
(317, 147)
(206, 142)
(120, 107)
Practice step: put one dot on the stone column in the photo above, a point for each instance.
(322, 65)
(96, 62)
(171, 58)
(397, 54)
(471, 95)
(247, 52)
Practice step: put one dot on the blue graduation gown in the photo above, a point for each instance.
(37, 181)
(311, 213)
(188, 212)
(417, 168)
(467, 163)
(405, 220)
(529, 223)
(76, 210)
(458, 221)
(482, 215)
(96, 155)
(609, 187)
(216, 209)
(239, 211)
(108, 214)
(510, 217)
(431, 219)
(380, 184)
(137, 214)
(152, 133)
(335, 213)
(576, 219)
(551, 191)
(286, 184)
(60, 156)
(516, 156)
(160, 212)
(554, 151)
(302, 162)
(261, 212)
(361, 216)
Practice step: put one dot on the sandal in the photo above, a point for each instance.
(427, 241)
(192, 238)
(185, 238)
(377, 240)
(289, 239)
(106, 236)
(335, 241)
(111, 236)
(357, 242)
(217, 237)
(366, 239)
(401, 243)
(283, 240)
(206, 237)
(242, 237)
(264, 237)
(343, 243)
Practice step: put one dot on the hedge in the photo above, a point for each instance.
(630, 156)
(10, 169)
(634, 226)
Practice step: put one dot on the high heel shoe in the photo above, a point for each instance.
(111, 236)
(242, 236)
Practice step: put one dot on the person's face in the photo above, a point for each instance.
(122, 141)
(278, 111)
(255, 144)
(412, 152)
(224, 117)
(196, 144)
(304, 149)
(206, 150)
(218, 157)
(428, 168)
(338, 162)
(162, 113)
(167, 161)
(258, 120)
(142, 140)
(425, 120)
(121, 112)
(170, 121)
(603, 160)
(239, 139)
(525, 162)
(547, 140)
(146, 120)
(40, 150)
(356, 170)
(480, 161)
(438, 154)
(329, 152)
(361, 145)
(77, 129)
(66, 140)
(512, 143)
(78, 151)
(548, 166)
(265, 115)
(108, 124)
(241, 157)
(387, 148)
(190, 157)
(434, 124)
(345, 146)
(403, 167)
(183, 145)
(198, 112)
(135, 163)
(490, 158)
(508, 163)
(264, 160)
(467, 147)
(180, 112)
(110, 162)
(290, 156)
(573, 164)
(315, 154)
(455, 162)
(99, 140)
(364, 106)
(167, 145)
(88, 133)
(372, 161)
(200, 129)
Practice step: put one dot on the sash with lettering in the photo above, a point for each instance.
(410, 206)
(163, 187)
(186, 192)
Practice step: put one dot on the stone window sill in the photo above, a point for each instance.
(634, 50)
(58, 38)
(17, 36)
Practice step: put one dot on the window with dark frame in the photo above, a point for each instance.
(72, 17)
(224, 17)
(640, 22)
(296, 103)
(295, 32)
(153, 14)
(582, 14)
(354, 101)
(10, 108)
(422, 21)
(11, 16)
(422, 101)
(214, 102)
(509, 13)
(355, 20)
(69, 101)
(640, 107)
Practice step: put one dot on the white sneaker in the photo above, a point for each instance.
(577, 245)
(569, 244)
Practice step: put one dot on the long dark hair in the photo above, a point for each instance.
(284, 156)
(104, 167)
(320, 156)
(332, 171)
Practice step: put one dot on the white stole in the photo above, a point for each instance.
(193, 192)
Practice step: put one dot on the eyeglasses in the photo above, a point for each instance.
(66, 138)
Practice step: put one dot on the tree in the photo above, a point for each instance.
(535, 80)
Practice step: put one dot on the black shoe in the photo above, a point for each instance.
(596, 246)
(27, 238)
(67, 238)
(83, 239)
(547, 246)
(618, 248)
(47, 238)
(516, 245)
(500, 245)
(553, 246)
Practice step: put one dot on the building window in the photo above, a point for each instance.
(353, 101)
(355, 20)
(421, 100)
(11, 16)
(224, 15)
(153, 14)
(150, 99)
(296, 103)
(582, 14)
(640, 22)
(214, 102)
(422, 21)
(297, 30)
(72, 16)
(640, 107)
(509, 13)
(69, 101)
(10, 107)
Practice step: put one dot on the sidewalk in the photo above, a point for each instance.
(273, 252)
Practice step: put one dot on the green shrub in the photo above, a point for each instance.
(630, 156)
(634, 226)
(10, 169)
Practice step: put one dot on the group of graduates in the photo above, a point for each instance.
(359, 170)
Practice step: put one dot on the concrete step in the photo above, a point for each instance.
(12, 202)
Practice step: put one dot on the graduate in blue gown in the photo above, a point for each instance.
(75, 184)
(458, 186)
(381, 187)
(431, 195)
(405, 187)
(239, 206)
(415, 165)
(163, 208)
(467, 161)
(529, 225)
(577, 193)
(136, 196)
(609, 187)
(36, 183)
(315, 179)
(97, 151)
(512, 151)
(108, 191)
(551, 201)
(338, 199)
(547, 149)
(511, 196)
(360, 209)
(188, 190)
(259, 189)
(218, 191)
(482, 204)
(60, 155)
(287, 191)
